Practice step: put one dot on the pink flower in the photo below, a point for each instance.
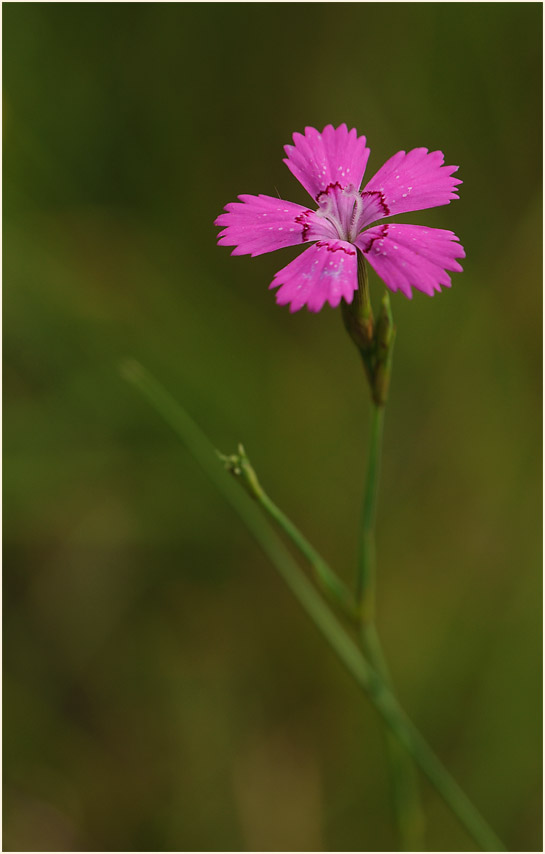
(330, 166)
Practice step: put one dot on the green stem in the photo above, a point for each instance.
(366, 565)
(403, 777)
(331, 586)
(324, 576)
(404, 782)
(372, 683)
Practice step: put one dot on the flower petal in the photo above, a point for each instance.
(409, 182)
(406, 256)
(336, 155)
(259, 224)
(326, 272)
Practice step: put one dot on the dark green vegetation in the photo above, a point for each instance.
(161, 689)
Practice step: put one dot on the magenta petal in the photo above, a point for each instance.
(259, 224)
(412, 256)
(410, 182)
(326, 272)
(319, 159)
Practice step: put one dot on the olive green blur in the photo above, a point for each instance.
(162, 690)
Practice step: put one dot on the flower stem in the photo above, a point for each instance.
(326, 579)
(369, 679)
(331, 586)
(403, 778)
(404, 782)
(365, 591)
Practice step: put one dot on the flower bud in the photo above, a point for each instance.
(240, 467)
(358, 315)
(384, 344)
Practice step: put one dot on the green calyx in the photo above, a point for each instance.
(374, 339)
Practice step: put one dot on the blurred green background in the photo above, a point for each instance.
(161, 689)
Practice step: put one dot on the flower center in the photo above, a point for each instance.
(342, 208)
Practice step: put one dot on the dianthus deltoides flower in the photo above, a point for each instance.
(330, 166)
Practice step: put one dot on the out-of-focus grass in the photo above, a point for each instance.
(161, 689)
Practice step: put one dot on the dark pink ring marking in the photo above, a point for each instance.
(381, 199)
(327, 189)
(383, 233)
(300, 220)
(335, 248)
